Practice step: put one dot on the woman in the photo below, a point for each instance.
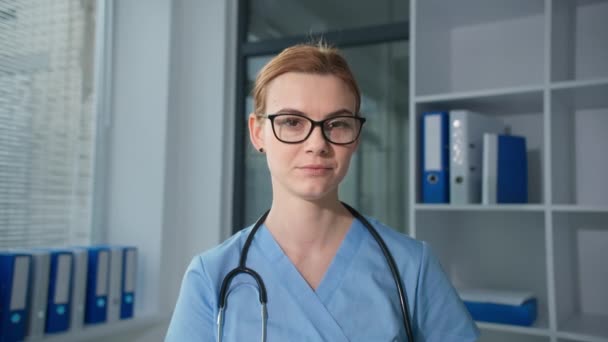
(325, 275)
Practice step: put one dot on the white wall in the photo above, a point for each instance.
(169, 178)
(200, 138)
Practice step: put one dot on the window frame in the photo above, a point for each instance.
(103, 83)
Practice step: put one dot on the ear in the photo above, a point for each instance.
(256, 131)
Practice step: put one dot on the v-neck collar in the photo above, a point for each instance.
(333, 275)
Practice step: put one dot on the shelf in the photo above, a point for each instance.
(579, 122)
(590, 328)
(579, 95)
(540, 328)
(508, 335)
(578, 48)
(480, 207)
(478, 45)
(519, 109)
(567, 337)
(108, 329)
(579, 209)
(512, 100)
(580, 241)
(579, 83)
(490, 249)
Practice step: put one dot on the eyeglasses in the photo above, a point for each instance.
(295, 128)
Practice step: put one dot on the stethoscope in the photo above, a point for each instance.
(242, 268)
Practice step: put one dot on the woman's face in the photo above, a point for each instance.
(314, 168)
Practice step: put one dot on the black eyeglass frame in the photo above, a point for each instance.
(315, 123)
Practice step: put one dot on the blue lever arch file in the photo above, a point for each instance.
(129, 275)
(96, 307)
(14, 282)
(505, 169)
(435, 182)
(60, 292)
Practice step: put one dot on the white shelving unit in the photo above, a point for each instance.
(541, 66)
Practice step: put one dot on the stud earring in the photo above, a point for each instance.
(261, 150)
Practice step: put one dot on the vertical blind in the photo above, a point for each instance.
(47, 121)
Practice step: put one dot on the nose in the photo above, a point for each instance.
(316, 142)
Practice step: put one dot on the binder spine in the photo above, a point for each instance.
(459, 159)
(512, 170)
(79, 288)
(114, 294)
(41, 262)
(467, 129)
(60, 288)
(490, 159)
(129, 271)
(434, 157)
(15, 274)
(97, 286)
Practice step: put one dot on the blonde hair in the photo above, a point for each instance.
(315, 58)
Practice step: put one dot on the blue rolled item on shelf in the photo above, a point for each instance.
(505, 307)
(524, 314)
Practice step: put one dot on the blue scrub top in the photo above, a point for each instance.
(356, 300)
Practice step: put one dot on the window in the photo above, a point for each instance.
(271, 19)
(374, 40)
(47, 121)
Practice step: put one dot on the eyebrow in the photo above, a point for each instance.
(338, 112)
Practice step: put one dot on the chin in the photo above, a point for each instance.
(312, 197)
(313, 193)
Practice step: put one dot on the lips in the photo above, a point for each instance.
(315, 169)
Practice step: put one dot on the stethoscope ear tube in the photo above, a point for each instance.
(223, 296)
(239, 270)
(393, 267)
(242, 268)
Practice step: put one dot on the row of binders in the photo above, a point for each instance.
(50, 291)
(467, 158)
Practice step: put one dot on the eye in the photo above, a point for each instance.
(341, 123)
(289, 121)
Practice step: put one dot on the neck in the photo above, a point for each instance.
(298, 224)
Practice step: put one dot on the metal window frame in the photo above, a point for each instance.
(103, 88)
(360, 36)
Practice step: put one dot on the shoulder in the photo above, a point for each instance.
(414, 258)
(434, 303)
(216, 262)
(196, 307)
(401, 245)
